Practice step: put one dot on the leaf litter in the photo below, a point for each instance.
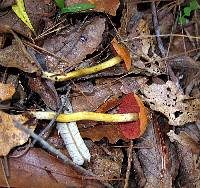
(165, 144)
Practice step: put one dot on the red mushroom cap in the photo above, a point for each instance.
(131, 103)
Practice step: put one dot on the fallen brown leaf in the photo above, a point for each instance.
(37, 168)
(46, 90)
(160, 168)
(16, 56)
(10, 136)
(6, 91)
(109, 131)
(74, 44)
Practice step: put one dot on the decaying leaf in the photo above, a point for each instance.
(6, 91)
(123, 53)
(109, 131)
(184, 139)
(105, 162)
(160, 169)
(107, 6)
(47, 92)
(74, 46)
(189, 172)
(142, 46)
(111, 103)
(168, 100)
(10, 136)
(132, 103)
(37, 168)
(6, 3)
(16, 56)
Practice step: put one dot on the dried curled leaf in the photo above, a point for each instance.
(46, 90)
(10, 136)
(6, 91)
(16, 56)
(168, 100)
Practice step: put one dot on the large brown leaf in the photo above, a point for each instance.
(38, 11)
(37, 168)
(74, 44)
(160, 166)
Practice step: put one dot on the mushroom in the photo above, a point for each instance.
(122, 52)
(131, 103)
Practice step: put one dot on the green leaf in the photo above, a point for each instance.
(182, 20)
(20, 11)
(60, 3)
(77, 8)
(187, 11)
(194, 5)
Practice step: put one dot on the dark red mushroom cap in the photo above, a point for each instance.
(131, 103)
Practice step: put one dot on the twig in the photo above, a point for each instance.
(157, 29)
(141, 179)
(50, 125)
(59, 154)
(5, 164)
(130, 150)
(4, 173)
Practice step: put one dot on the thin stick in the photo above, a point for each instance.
(157, 29)
(59, 154)
(4, 173)
(5, 164)
(50, 125)
(128, 170)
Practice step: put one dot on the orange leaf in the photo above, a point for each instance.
(109, 131)
(123, 53)
(109, 104)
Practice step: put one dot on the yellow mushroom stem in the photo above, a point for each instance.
(77, 116)
(82, 71)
